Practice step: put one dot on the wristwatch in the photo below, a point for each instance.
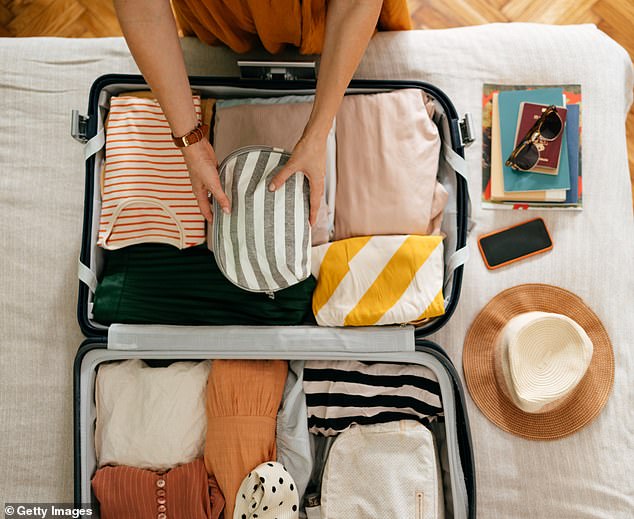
(192, 137)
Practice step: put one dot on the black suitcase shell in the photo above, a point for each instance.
(286, 87)
(97, 335)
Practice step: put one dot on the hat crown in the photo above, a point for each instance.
(547, 356)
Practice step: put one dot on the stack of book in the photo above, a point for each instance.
(554, 182)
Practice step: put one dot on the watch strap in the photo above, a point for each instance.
(191, 137)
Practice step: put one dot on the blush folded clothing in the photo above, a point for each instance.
(388, 151)
(261, 122)
(184, 492)
(150, 418)
(243, 398)
(159, 284)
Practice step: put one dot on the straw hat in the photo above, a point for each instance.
(538, 362)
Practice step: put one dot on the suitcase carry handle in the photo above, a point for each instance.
(277, 70)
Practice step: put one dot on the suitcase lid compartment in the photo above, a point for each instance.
(456, 213)
(94, 352)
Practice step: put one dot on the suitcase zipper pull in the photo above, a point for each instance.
(420, 497)
(312, 500)
(312, 506)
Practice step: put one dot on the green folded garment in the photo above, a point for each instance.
(159, 284)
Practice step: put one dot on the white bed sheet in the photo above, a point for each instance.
(41, 198)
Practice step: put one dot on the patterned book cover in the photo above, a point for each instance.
(573, 96)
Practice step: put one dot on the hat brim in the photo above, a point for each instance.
(586, 400)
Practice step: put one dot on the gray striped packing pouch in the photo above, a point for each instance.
(263, 245)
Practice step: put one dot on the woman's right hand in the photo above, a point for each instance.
(203, 172)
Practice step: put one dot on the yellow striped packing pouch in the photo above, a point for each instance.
(377, 280)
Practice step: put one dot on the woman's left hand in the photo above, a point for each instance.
(309, 157)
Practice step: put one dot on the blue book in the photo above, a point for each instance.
(572, 134)
(509, 103)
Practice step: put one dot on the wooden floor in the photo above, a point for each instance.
(96, 18)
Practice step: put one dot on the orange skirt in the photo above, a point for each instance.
(245, 24)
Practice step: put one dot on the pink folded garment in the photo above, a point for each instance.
(388, 150)
(277, 125)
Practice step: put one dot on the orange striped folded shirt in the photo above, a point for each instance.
(147, 196)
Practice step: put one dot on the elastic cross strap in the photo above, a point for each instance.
(95, 144)
(458, 258)
(87, 276)
(459, 165)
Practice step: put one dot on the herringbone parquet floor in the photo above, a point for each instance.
(96, 18)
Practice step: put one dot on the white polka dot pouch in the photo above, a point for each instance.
(268, 492)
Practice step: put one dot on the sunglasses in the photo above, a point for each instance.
(547, 128)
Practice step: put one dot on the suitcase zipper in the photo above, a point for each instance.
(420, 498)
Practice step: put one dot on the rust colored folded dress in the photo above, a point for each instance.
(244, 24)
(185, 492)
(243, 397)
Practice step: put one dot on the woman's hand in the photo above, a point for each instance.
(349, 27)
(151, 34)
(309, 157)
(203, 172)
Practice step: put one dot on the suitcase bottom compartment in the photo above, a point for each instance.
(448, 434)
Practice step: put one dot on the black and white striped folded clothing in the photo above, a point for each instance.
(342, 393)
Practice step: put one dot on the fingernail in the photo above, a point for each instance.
(271, 187)
(226, 210)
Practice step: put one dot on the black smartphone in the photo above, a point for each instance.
(504, 246)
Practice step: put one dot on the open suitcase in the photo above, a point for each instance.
(402, 344)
